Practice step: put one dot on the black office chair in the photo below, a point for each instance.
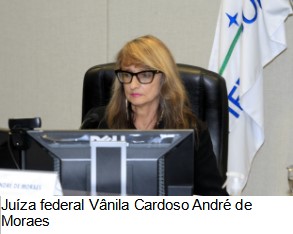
(207, 92)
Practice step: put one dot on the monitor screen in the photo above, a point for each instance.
(126, 162)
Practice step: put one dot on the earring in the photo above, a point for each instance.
(126, 108)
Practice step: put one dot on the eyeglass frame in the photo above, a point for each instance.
(154, 72)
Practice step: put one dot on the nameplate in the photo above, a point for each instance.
(23, 182)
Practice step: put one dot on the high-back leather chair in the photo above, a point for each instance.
(206, 90)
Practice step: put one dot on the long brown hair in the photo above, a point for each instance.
(174, 105)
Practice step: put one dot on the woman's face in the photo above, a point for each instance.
(142, 95)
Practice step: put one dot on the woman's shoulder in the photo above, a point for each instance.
(200, 126)
(201, 132)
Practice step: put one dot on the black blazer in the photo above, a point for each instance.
(207, 179)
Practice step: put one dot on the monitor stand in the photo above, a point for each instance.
(108, 175)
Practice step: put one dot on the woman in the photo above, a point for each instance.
(148, 94)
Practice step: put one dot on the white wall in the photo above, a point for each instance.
(47, 45)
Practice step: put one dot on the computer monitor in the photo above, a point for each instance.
(13, 155)
(6, 157)
(127, 162)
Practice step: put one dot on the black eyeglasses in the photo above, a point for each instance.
(143, 77)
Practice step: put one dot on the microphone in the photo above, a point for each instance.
(91, 121)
